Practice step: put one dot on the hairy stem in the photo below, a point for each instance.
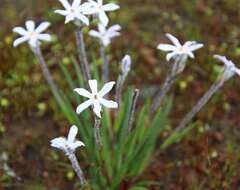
(171, 77)
(105, 68)
(133, 109)
(82, 55)
(97, 132)
(213, 89)
(76, 167)
(38, 53)
(119, 87)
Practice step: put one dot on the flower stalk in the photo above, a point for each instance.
(76, 167)
(229, 71)
(97, 135)
(82, 54)
(105, 68)
(133, 109)
(38, 53)
(177, 68)
(213, 89)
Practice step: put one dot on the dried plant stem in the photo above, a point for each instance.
(171, 77)
(76, 167)
(82, 55)
(97, 132)
(38, 53)
(214, 88)
(133, 109)
(105, 68)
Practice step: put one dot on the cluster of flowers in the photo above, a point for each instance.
(79, 13)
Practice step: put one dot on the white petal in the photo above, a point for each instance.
(105, 41)
(174, 40)
(93, 86)
(106, 88)
(171, 55)
(84, 106)
(83, 92)
(195, 47)
(190, 54)
(20, 30)
(109, 103)
(189, 43)
(103, 18)
(101, 28)
(65, 4)
(166, 47)
(43, 26)
(59, 143)
(33, 42)
(30, 25)
(20, 40)
(72, 134)
(76, 3)
(97, 108)
(76, 144)
(237, 71)
(114, 28)
(89, 8)
(100, 2)
(62, 12)
(114, 34)
(94, 33)
(83, 18)
(44, 37)
(69, 18)
(110, 7)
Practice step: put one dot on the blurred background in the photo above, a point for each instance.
(29, 116)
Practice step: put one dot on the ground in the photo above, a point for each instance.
(206, 159)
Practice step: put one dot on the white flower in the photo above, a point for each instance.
(96, 98)
(105, 35)
(97, 8)
(31, 34)
(70, 144)
(126, 64)
(229, 67)
(177, 49)
(73, 12)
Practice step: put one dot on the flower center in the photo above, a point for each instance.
(181, 49)
(32, 34)
(72, 10)
(95, 97)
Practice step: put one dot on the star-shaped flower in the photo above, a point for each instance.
(229, 67)
(70, 144)
(31, 34)
(105, 35)
(96, 99)
(73, 12)
(177, 49)
(97, 8)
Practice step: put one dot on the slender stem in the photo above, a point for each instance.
(133, 109)
(171, 77)
(105, 68)
(76, 167)
(119, 87)
(97, 132)
(82, 55)
(213, 89)
(38, 53)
